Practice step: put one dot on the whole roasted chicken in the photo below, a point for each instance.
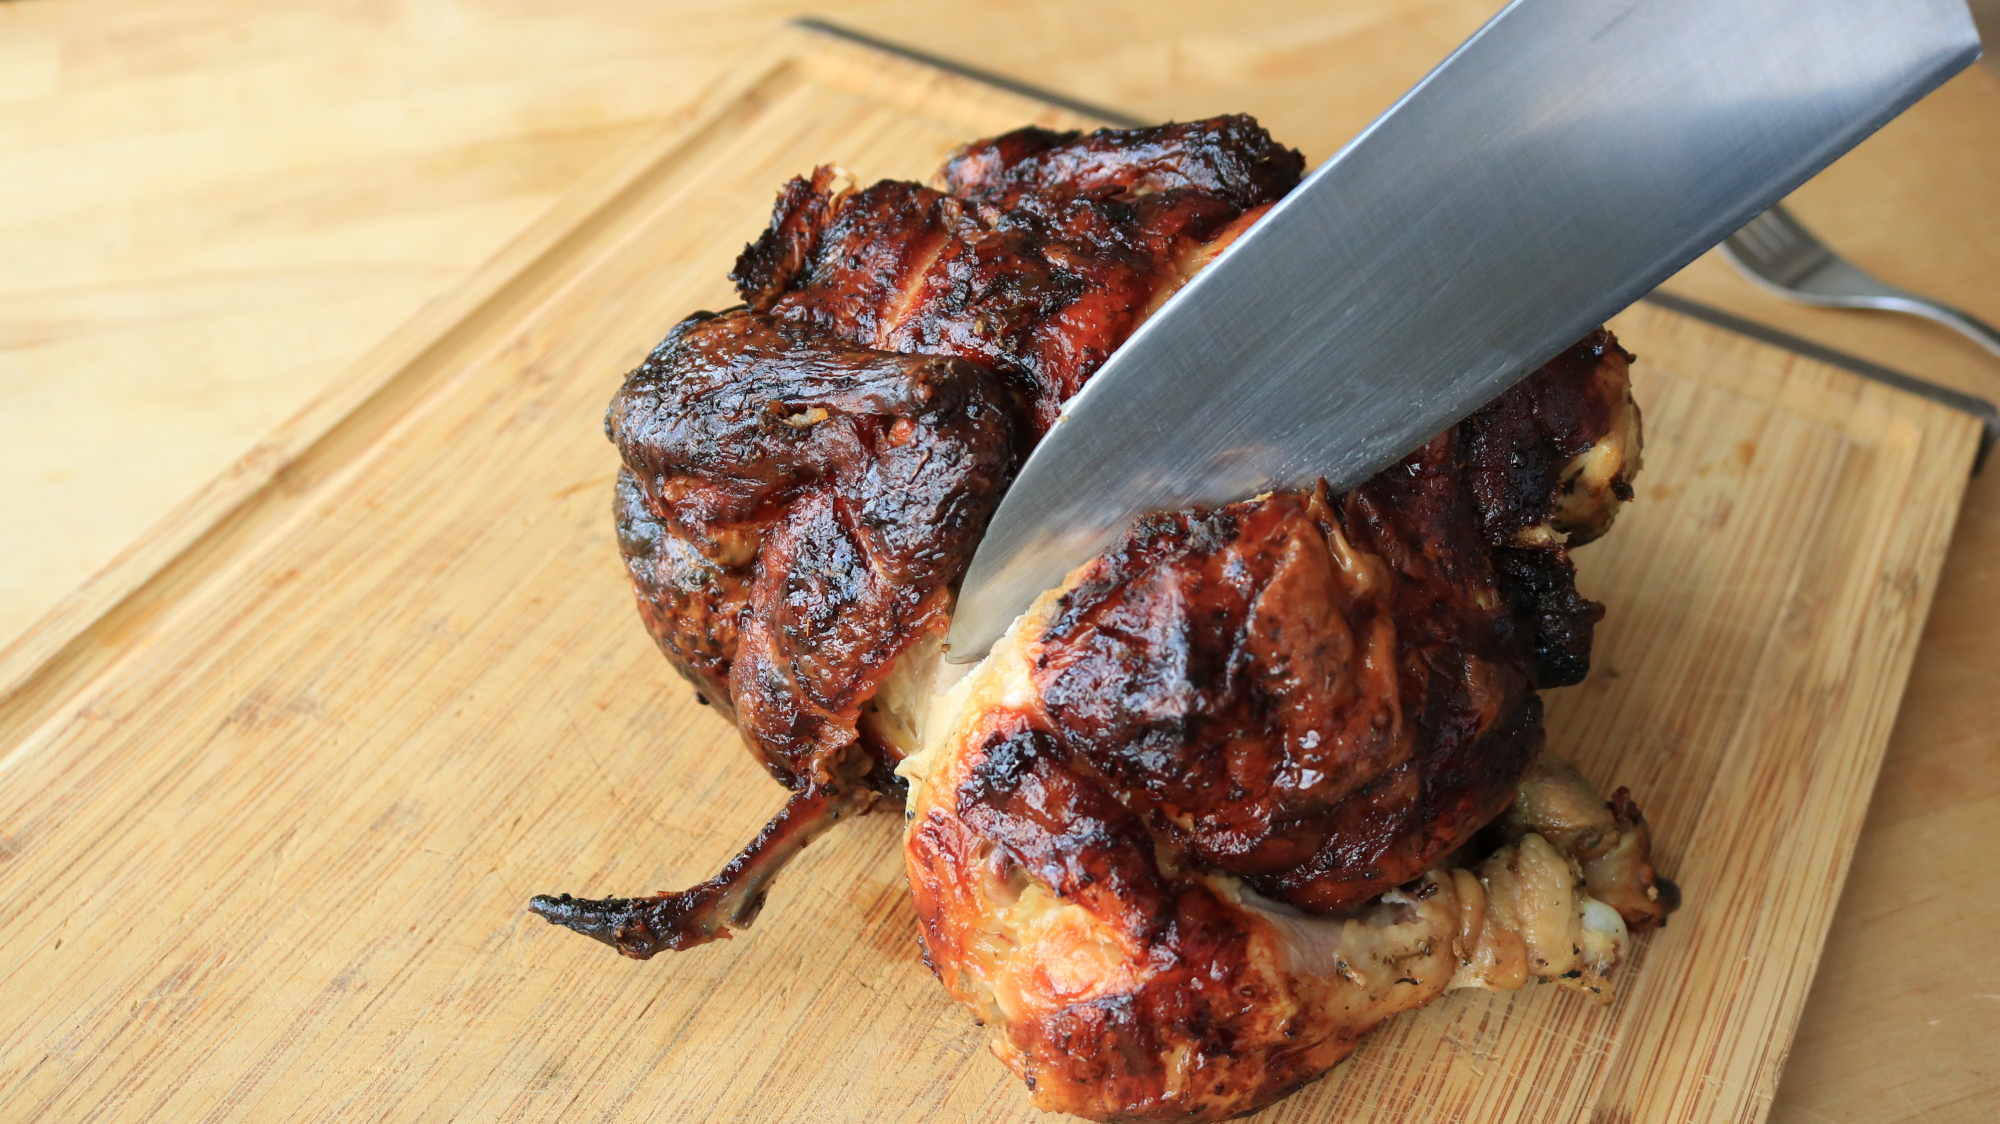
(1245, 785)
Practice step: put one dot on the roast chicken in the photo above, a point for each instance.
(1244, 786)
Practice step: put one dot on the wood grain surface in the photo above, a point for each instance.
(211, 209)
(265, 830)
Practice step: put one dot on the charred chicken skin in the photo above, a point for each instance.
(805, 477)
(1258, 778)
(1248, 783)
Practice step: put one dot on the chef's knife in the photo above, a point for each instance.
(1567, 158)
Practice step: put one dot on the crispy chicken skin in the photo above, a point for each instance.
(1248, 783)
(1035, 255)
(900, 348)
(1126, 981)
(1326, 695)
(793, 509)
(805, 477)
(1258, 778)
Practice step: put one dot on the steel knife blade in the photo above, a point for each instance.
(1562, 162)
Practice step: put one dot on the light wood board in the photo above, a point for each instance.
(267, 827)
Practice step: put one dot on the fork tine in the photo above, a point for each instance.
(1787, 228)
(1777, 251)
(1775, 247)
(1769, 237)
(1751, 242)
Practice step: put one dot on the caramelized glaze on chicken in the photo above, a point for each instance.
(1126, 980)
(1248, 783)
(1326, 695)
(805, 478)
(1234, 794)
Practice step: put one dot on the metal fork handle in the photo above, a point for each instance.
(1839, 284)
(1964, 323)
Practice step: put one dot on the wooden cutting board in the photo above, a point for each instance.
(274, 792)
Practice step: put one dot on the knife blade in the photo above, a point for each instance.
(1558, 165)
